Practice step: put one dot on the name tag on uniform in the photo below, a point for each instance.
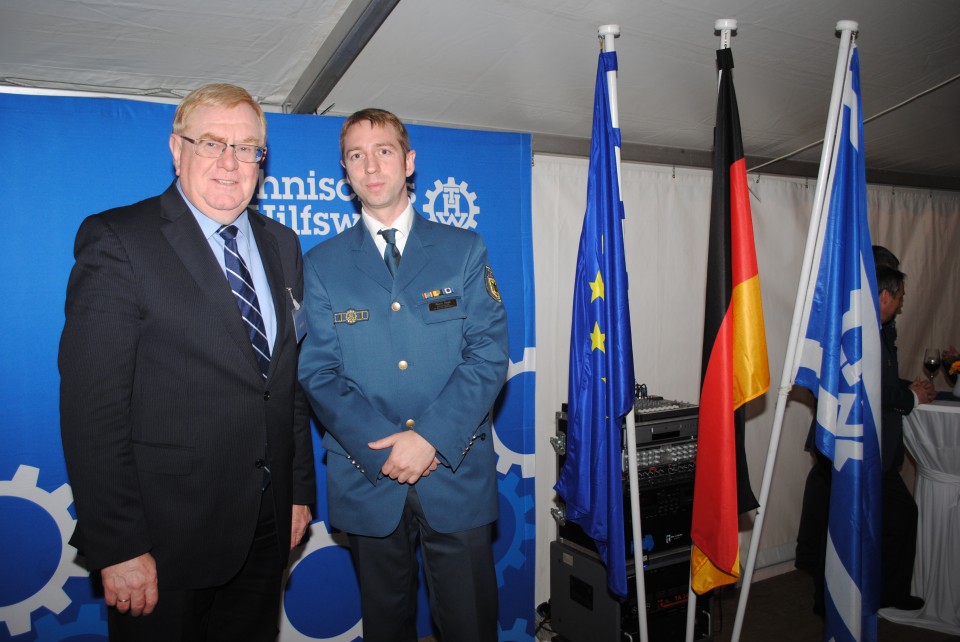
(442, 305)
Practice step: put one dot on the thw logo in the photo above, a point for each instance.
(452, 203)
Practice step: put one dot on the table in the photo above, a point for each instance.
(932, 435)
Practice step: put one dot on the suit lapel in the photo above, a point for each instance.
(416, 253)
(367, 258)
(186, 238)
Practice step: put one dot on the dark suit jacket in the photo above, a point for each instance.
(426, 351)
(165, 416)
(896, 400)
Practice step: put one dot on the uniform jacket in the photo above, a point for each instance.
(427, 351)
(165, 416)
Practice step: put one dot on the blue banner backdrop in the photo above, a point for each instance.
(71, 157)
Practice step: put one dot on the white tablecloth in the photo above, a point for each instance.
(932, 435)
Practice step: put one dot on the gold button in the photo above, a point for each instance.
(411, 423)
(395, 306)
(402, 365)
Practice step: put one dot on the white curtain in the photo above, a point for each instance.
(665, 235)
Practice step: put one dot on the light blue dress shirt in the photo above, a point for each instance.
(250, 254)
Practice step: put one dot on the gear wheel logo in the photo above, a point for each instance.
(516, 633)
(323, 557)
(507, 458)
(524, 530)
(452, 196)
(16, 614)
(87, 626)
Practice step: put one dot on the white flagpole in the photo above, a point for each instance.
(847, 29)
(608, 33)
(726, 27)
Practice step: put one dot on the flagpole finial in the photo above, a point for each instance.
(725, 27)
(607, 34)
(609, 30)
(848, 25)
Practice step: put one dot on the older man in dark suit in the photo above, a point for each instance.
(186, 434)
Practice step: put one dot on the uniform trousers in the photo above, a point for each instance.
(460, 574)
(245, 608)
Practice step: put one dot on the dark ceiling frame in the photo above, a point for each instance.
(347, 39)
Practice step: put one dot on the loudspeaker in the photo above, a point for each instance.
(583, 610)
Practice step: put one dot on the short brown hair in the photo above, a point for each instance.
(377, 118)
(217, 95)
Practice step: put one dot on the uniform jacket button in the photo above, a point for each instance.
(411, 423)
(266, 395)
(402, 365)
(395, 306)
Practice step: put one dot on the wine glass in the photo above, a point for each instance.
(931, 362)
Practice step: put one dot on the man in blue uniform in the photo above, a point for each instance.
(405, 354)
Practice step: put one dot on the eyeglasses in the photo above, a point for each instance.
(245, 152)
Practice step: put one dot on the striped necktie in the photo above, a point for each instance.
(242, 285)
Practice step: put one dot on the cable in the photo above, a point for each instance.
(867, 120)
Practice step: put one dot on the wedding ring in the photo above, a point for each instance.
(119, 599)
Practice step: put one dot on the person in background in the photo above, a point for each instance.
(898, 398)
(884, 257)
(899, 510)
(185, 431)
(405, 353)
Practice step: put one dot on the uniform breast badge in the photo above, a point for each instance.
(351, 316)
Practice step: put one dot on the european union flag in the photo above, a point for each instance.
(601, 357)
(840, 364)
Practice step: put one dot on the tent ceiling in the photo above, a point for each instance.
(528, 65)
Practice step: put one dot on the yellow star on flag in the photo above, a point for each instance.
(597, 338)
(596, 288)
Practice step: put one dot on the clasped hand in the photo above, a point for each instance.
(411, 456)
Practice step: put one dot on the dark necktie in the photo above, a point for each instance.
(391, 253)
(242, 286)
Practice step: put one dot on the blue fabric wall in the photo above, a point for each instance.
(71, 157)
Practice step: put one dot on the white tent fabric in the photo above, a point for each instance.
(665, 234)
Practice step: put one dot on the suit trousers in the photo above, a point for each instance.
(460, 574)
(898, 546)
(814, 520)
(245, 608)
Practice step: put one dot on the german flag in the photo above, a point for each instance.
(734, 368)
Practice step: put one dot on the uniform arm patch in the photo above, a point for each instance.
(491, 282)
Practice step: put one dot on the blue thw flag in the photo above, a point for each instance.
(601, 357)
(840, 362)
